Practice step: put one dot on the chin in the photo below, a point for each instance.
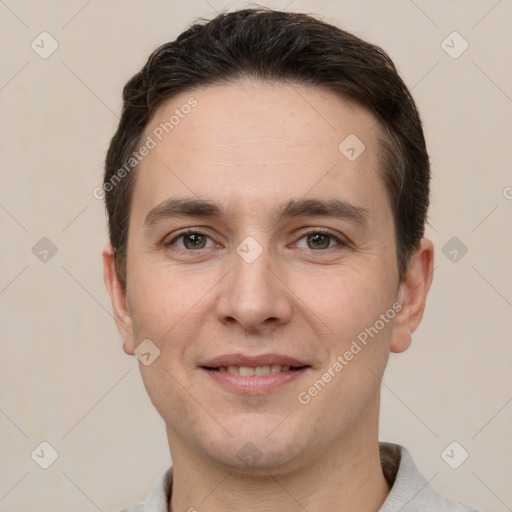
(257, 451)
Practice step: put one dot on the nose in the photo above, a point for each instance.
(254, 295)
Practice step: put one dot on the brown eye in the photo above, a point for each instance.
(194, 241)
(319, 240)
(190, 240)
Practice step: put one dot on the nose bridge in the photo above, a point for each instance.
(252, 294)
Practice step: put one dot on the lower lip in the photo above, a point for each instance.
(257, 384)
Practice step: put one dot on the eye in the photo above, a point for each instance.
(191, 240)
(316, 240)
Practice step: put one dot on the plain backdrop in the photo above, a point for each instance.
(64, 379)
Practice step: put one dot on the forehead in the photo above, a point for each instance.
(235, 142)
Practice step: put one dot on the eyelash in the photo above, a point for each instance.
(326, 232)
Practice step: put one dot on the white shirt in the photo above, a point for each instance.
(410, 492)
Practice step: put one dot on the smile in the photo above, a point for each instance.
(254, 380)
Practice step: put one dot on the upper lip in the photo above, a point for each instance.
(252, 361)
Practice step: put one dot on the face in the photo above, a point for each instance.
(254, 234)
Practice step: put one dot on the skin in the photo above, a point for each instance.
(251, 146)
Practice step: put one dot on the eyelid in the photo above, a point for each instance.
(340, 239)
(187, 231)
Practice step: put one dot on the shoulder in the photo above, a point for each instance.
(158, 497)
(136, 507)
(411, 492)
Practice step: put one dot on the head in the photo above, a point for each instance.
(278, 136)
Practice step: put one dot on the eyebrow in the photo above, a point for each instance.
(193, 207)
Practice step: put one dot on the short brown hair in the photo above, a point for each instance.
(284, 47)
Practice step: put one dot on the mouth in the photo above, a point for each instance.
(254, 380)
(249, 371)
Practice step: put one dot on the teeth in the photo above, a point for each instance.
(261, 370)
(247, 371)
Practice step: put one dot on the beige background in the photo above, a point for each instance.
(63, 376)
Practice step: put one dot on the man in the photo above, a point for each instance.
(267, 190)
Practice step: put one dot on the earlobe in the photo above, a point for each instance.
(412, 295)
(118, 299)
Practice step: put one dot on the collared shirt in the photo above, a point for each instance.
(410, 492)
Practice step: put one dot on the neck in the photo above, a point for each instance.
(347, 478)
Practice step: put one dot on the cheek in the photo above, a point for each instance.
(170, 309)
(156, 306)
(347, 304)
(160, 294)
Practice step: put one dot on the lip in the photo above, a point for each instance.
(252, 361)
(256, 384)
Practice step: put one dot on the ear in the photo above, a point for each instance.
(118, 298)
(412, 295)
